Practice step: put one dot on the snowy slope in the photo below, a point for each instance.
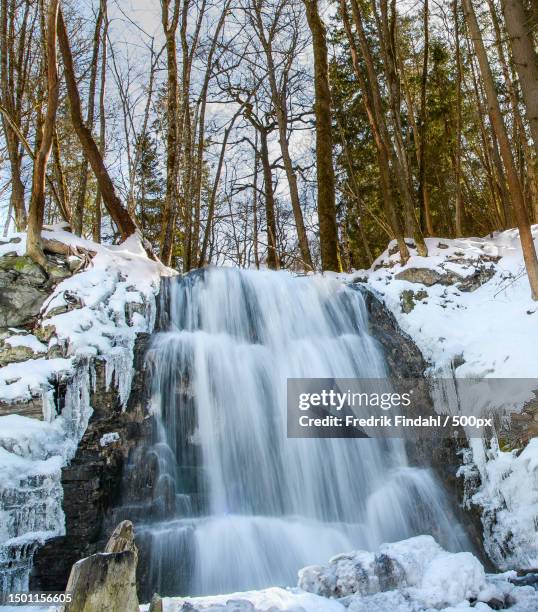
(487, 329)
(96, 313)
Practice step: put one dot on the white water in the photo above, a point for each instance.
(268, 505)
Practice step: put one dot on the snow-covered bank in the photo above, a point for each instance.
(94, 314)
(468, 308)
(414, 575)
(478, 330)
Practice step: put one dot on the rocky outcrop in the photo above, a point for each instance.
(445, 455)
(24, 287)
(482, 273)
(106, 581)
(92, 481)
(404, 358)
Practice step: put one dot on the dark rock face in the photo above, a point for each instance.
(92, 481)
(444, 455)
(403, 356)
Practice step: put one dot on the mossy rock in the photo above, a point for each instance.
(22, 265)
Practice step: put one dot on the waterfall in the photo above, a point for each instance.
(236, 505)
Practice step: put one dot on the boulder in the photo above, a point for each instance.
(24, 287)
(106, 581)
(428, 276)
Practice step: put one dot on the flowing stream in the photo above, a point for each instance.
(236, 505)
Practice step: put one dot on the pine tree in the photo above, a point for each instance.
(149, 188)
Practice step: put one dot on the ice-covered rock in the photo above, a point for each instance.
(76, 319)
(412, 575)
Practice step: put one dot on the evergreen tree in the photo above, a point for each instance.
(149, 187)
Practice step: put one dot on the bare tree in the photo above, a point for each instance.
(266, 34)
(37, 203)
(14, 68)
(78, 211)
(119, 214)
(374, 108)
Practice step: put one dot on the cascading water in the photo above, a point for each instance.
(236, 504)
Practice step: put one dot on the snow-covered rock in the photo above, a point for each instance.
(411, 576)
(89, 316)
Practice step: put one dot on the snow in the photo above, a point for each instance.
(411, 576)
(268, 600)
(509, 496)
(414, 575)
(28, 379)
(493, 329)
(489, 334)
(109, 438)
(27, 340)
(102, 324)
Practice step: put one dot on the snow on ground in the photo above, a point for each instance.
(414, 575)
(96, 313)
(474, 331)
(489, 332)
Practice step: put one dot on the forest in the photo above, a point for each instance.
(296, 134)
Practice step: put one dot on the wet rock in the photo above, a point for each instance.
(156, 603)
(526, 578)
(106, 581)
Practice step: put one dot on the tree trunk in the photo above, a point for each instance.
(518, 202)
(213, 195)
(63, 194)
(78, 212)
(519, 27)
(459, 212)
(97, 220)
(423, 129)
(525, 59)
(117, 211)
(255, 206)
(169, 212)
(37, 203)
(328, 232)
(16, 201)
(387, 39)
(272, 251)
